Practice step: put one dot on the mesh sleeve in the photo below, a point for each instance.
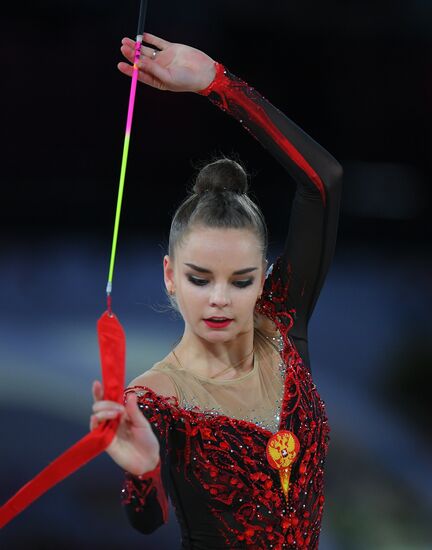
(313, 216)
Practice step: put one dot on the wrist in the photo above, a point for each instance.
(216, 73)
(153, 470)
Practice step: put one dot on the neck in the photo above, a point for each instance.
(210, 359)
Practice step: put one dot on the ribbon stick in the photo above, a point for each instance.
(141, 19)
(112, 346)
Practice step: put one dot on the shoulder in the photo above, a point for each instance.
(157, 381)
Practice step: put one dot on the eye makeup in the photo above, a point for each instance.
(198, 281)
(243, 284)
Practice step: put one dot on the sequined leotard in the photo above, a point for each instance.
(213, 456)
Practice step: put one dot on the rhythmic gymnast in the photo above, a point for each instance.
(229, 424)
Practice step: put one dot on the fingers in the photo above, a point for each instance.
(148, 52)
(128, 46)
(128, 50)
(125, 68)
(148, 38)
(147, 72)
(105, 410)
(101, 406)
(97, 390)
(160, 43)
(97, 418)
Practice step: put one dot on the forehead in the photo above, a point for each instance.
(216, 247)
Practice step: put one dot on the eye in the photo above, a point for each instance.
(197, 280)
(243, 284)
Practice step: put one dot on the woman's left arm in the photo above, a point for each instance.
(312, 231)
(311, 238)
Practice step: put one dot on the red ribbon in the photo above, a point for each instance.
(112, 346)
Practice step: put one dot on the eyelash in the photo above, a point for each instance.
(202, 282)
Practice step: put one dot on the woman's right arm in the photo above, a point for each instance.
(135, 447)
(140, 449)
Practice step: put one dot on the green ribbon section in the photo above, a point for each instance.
(118, 210)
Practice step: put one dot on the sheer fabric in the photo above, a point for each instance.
(255, 396)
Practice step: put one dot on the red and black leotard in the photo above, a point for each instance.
(213, 466)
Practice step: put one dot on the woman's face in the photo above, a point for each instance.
(217, 276)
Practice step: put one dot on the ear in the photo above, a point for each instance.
(263, 276)
(168, 268)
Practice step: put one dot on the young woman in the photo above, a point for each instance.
(230, 424)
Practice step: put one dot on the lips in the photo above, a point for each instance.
(218, 322)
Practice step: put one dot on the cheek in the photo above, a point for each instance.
(190, 300)
(246, 300)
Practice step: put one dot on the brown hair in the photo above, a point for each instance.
(218, 199)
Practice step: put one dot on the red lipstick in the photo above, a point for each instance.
(217, 322)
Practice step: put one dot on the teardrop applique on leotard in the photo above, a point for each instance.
(282, 450)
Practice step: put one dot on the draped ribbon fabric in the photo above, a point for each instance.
(112, 346)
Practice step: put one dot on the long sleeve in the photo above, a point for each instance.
(145, 497)
(145, 500)
(312, 231)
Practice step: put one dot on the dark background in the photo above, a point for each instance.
(356, 76)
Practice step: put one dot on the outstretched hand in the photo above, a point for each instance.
(174, 67)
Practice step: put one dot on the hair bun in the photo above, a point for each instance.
(221, 175)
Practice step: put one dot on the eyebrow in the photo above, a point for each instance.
(204, 270)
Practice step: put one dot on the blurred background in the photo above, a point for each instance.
(356, 76)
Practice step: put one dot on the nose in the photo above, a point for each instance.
(219, 296)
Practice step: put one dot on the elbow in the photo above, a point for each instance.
(146, 522)
(335, 176)
(146, 528)
(333, 181)
(326, 186)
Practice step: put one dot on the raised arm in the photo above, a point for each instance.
(314, 216)
(317, 175)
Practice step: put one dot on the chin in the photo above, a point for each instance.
(216, 337)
